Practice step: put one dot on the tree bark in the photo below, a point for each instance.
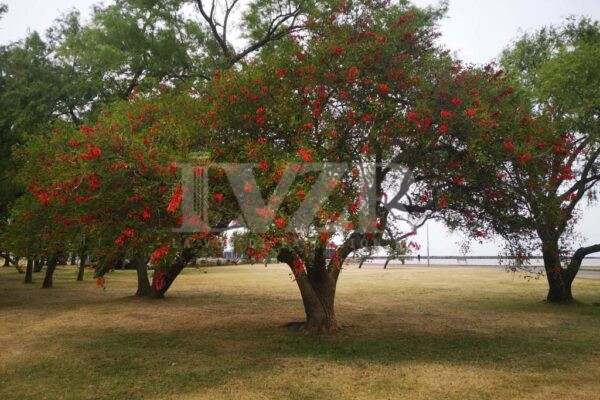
(82, 260)
(48, 279)
(387, 261)
(6, 259)
(38, 264)
(560, 280)
(162, 281)
(317, 287)
(362, 260)
(559, 286)
(143, 283)
(29, 271)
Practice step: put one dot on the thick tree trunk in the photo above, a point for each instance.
(317, 288)
(559, 284)
(82, 260)
(29, 271)
(318, 297)
(52, 263)
(560, 280)
(38, 264)
(143, 283)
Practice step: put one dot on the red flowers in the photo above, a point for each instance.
(456, 101)
(219, 197)
(337, 50)
(88, 130)
(175, 201)
(159, 253)
(100, 282)
(308, 126)
(352, 72)
(298, 267)
(263, 165)
(411, 116)
(158, 281)
(383, 88)
(524, 157)
(508, 146)
(305, 154)
(445, 114)
(471, 112)
(368, 117)
(93, 181)
(365, 148)
(73, 143)
(260, 120)
(280, 73)
(443, 202)
(93, 152)
(444, 128)
(127, 233)
(280, 223)
(147, 213)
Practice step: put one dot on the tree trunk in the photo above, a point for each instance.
(29, 271)
(143, 283)
(82, 260)
(164, 278)
(317, 288)
(560, 280)
(52, 263)
(120, 263)
(37, 265)
(387, 261)
(362, 260)
(6, 259)
(559, 288)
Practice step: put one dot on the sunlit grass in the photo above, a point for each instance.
(409, 333)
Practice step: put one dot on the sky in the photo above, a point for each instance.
(475, 30)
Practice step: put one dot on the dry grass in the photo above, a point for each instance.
(410, 333)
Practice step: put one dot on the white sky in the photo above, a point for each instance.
(477, 30)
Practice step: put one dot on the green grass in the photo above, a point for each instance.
(409, 333)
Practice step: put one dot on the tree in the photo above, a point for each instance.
(131, 48)
(361, 85)
(526, 183)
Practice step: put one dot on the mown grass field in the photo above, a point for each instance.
(409, 333)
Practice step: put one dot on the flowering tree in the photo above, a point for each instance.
(116, 185)
(359, 94)
(525, 179)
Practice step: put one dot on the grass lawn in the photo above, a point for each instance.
(409, 333)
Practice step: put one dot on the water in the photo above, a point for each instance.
(460, 261)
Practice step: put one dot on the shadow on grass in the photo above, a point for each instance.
(126, 364)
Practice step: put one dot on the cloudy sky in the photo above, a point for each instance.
(476, 30)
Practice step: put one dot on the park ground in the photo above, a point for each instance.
(409, 333)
